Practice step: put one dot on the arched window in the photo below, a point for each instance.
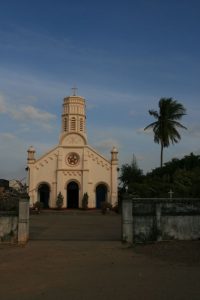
(81, 124)
(65, 124)
(73, 123)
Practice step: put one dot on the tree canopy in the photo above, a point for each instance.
(166, 124)
(130, 172)
(182, 176)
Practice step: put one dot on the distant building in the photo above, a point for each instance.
(72, 167)
(15, 184)
(4, 185)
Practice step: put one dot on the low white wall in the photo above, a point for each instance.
(8, 228)
(14, 227)
(159, 219)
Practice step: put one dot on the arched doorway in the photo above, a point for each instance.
(43, 194)
(101, 194)
(72, 195)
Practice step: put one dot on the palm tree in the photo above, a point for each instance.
(166, 124)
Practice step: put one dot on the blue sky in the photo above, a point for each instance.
(122, 55)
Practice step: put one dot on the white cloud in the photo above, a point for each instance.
(32, 113)
(26, 114)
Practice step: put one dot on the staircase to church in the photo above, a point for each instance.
(75, 225)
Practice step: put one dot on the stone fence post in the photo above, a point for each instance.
(23, 221)
(127, 219)
(158, 221)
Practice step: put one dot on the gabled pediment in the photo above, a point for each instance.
(72, 139)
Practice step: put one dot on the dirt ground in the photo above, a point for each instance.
(80, 256)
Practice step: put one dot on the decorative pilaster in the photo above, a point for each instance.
(30, 174)
(85, 174)
(114, 176)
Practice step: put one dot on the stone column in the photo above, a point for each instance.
(23, 221)
(127, 219)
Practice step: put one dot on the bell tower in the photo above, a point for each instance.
(73, 116)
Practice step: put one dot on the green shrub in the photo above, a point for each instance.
(38, 206)
(85, 201)
(59, 201)
(105, 207)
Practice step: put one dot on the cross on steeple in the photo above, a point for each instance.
(74, 91)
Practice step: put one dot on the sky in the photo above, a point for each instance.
(123, 56)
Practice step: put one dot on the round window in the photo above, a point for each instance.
(72, 159)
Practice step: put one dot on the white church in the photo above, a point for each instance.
(73, 167)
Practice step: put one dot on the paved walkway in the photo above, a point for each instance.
(65, 266)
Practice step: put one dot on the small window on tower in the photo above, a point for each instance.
(73, 123)
(65, 124)
(81, 125)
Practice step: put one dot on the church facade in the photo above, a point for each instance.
(73, 168)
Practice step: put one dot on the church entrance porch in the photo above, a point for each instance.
(43, 194)
(101, 194)
(72, 195)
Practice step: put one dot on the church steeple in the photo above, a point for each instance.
(73, 116)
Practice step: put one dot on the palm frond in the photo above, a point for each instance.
(154, 113)
(150, 126)
(177, 124)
